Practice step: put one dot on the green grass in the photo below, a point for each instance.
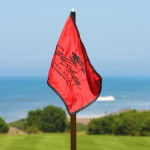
(62, 142)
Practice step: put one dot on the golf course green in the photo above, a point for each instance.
(59, 141)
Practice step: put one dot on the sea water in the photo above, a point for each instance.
(18, 95)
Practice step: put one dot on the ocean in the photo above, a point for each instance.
(18, 95)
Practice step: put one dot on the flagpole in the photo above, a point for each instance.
(73, 132)
(73, 117)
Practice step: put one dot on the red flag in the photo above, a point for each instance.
(71, 75)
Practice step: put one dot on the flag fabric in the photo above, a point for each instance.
(71, 74)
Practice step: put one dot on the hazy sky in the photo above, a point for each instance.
(116, 34)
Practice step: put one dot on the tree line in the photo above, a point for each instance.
(53, 119)
(128, 123)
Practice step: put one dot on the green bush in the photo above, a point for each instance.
(3, 126)
(53, 119)
(32, 129)
(34, 119)
(128, 123)
(50, 119)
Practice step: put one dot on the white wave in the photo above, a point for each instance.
(106, 98)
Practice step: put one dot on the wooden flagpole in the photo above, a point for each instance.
(73, 117)
(73, 132)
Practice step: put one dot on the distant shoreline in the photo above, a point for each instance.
(84, 121)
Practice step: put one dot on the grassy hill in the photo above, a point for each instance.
(18, 124)
(62, 141)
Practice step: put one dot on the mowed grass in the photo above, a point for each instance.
(62, 142)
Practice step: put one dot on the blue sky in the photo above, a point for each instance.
(115, 33)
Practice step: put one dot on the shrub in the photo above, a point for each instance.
(32, 129)
(34, 119)
(50, 119)
(3, 126)
(128, 123)
(53, 119)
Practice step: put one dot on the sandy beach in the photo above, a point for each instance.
(84, 121)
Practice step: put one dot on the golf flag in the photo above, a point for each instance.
(71, 74)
